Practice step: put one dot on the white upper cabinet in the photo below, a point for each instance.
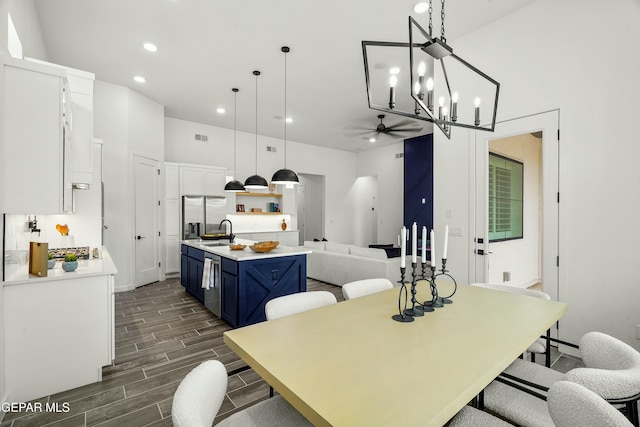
(80, 85)
(202, 181)
(172, 181)
(34, 143)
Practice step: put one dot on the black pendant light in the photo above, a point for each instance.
(234, 186)
(256, 182)
(285, 176)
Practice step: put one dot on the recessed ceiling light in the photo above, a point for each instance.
(421, 7)
(372, 140)
(394, 70)
(150, 47)
(139, 79)
(220, 110)
(288, 120)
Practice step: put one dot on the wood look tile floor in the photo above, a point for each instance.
(162, 333)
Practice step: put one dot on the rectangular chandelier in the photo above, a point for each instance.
(429, 82)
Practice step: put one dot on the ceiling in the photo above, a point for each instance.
(207, 47)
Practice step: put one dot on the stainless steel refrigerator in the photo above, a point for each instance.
(202, 215)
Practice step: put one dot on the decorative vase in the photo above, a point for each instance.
(69, 265)
(283, 225)
(51, 263)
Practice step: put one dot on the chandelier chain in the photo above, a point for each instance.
(430, 20)
(442, 36)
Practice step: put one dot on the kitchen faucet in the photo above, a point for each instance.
(231, 236)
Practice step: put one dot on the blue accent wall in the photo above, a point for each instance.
(418, 182)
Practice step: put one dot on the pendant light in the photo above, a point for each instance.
(234, 186)
(285, 176)
(256, 182)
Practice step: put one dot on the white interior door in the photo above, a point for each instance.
(480, 258)
(146, 221)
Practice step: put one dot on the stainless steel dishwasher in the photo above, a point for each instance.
(212, 294)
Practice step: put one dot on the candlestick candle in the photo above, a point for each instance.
(424, 244)
(446, 241)
(434, 263)
(403, 246)
(414, 243)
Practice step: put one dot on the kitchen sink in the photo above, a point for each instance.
(214, 244)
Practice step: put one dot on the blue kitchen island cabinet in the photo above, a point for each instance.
(248, 285)
(191, 269)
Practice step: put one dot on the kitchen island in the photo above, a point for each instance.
(59, 330)
(243, 281)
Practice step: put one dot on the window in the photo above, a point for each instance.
(505, 198)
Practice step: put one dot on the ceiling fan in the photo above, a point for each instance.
(400, 129)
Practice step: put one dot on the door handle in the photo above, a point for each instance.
(482, 252)
(139, 237)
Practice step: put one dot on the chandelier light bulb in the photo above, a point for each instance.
(454, 106)
(429, 84)
(441, 101)
(393, 80)
(422, 69)
(476, 101)
(455, 97)
(477, 104)
(416, 88)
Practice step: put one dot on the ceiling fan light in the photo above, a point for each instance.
(234, 186)
(255, 182)
(284, 176)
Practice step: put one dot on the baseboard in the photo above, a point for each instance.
(125, 288)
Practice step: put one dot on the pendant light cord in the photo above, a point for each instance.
(256, 73)
(235, 129)
(286, 50)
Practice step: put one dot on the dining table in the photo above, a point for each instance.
(350, 364)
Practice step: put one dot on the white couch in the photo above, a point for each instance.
(338, 263)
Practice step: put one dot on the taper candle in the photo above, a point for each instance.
(434, 262)
(414, 243)
(446, 241)
(424, 244)
(403, 246)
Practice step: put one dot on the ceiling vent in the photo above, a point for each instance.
(201, 138)
(399, 155)
(270, 148)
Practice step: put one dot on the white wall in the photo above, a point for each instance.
(550, 55)
(521, 257)
(382, 162)
(128, 123)
(25, 19)
(3, 51)
(338, 166)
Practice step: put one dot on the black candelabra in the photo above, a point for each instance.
(418, 309)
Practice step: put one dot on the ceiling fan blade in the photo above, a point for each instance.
(395, 129)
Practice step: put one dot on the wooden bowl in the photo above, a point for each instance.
(237, 247)
(266, 246)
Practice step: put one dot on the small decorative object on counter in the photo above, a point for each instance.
(284, 224)
(70, 263)
(266, 246)
(51, 262)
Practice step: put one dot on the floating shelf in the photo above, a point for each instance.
(259, 194)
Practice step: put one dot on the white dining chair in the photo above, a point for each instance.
(297, 303)
(200, 394)
(360, 288)
(612, 371)
(540, 345)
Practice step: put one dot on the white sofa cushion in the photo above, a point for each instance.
(368, 252)
(337, 247)
(317, 246)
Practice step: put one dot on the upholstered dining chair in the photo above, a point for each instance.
(612, 370)
(540, 345)
(199, 397)
(569, 404)
(360, 288)
(297, 303)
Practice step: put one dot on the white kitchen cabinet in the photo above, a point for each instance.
(172, 208)
(202, 180)
(36, 177)
(80, 85)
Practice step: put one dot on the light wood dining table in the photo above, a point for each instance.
(349, 364)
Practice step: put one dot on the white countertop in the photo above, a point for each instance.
(246, 254)
(18, 274)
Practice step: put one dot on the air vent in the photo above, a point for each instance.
(399, 155)
(270, 148)
(202, 138)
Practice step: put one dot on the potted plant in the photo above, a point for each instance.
(70, 262)
(51, 262)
